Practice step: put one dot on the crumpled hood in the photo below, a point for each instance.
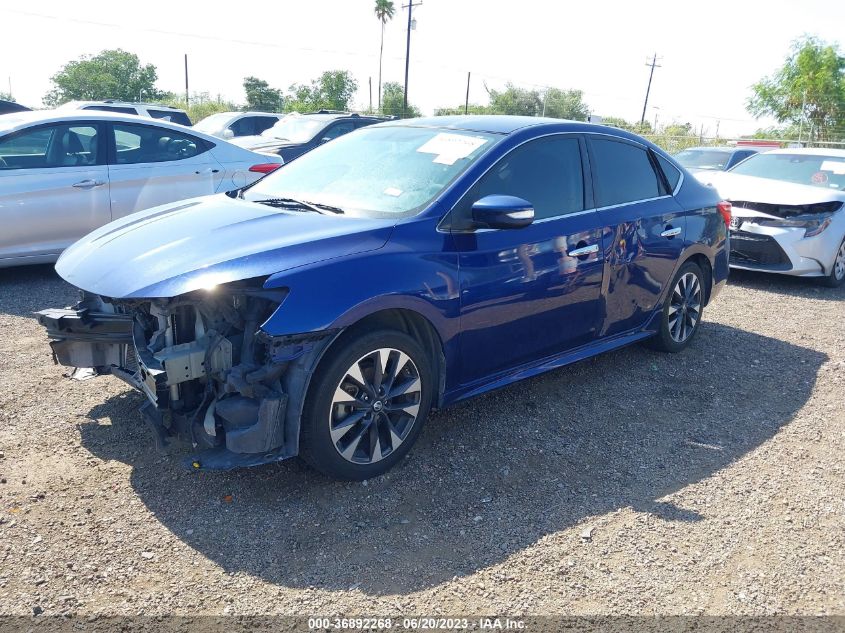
(734, 187)
(176, 248)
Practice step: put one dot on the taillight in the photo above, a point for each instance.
(265, 168)
(725, 210)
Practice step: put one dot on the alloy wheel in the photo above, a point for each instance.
(375, 406)
(839, 264)
(684, 307)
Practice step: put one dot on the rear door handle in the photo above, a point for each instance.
(670, 232)
(584, 250)
(88, 184)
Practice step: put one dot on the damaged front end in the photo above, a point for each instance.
(212, 377)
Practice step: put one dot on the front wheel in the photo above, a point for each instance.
(837, 276)
(681, 315)
(366, 405)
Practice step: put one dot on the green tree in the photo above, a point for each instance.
(6, 96)
(394, 99)
(566, 104)
(111, 74)
(513, 100)
(260, 96)
(473, 108)
(622, 124)
(384, 11)
(333, 90)
(810, 86)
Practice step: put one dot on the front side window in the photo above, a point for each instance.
(546, 172)
(622, 172)
(51, 146)
(377, 171)
(815, 170)
(245, 126)
(150, 144)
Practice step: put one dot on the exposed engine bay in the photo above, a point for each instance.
(211, 376)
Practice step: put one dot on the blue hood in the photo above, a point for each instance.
(176, 248)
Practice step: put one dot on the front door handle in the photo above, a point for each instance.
(670, 232)
(88, 184)
(584, 250)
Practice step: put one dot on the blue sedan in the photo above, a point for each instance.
(326, 309)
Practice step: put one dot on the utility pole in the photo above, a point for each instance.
(466, 103)
(410, 7)
(653, 65)
(371, 94)
(186, 80)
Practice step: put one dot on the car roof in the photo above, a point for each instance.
(810, 151)
(79, 105)
(17, 120)
(505, 124)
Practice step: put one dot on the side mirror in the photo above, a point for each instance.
(502, 212)
(227, 134)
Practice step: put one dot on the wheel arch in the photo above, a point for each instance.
(410, 322)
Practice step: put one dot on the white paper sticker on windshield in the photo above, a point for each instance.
(393, 191)
(835, 166)
(448, 148)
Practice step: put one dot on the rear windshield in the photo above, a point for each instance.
(805, 169)
(703, 158)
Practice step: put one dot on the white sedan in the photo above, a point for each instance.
(788, 212)
(65, 173)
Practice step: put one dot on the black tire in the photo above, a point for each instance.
(837, 273)
(667, 337)
(391, 419)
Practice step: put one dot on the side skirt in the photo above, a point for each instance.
(549, 363)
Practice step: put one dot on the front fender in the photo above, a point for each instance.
(416, 270)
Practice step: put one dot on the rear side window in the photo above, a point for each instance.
(117, 109)
(51, 146)
(170, 115)
(546, 172)
(150, 144)
(672, 173)
(622, 172)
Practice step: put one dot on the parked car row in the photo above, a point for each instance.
(324, 309)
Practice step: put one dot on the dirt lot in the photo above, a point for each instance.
(710, 481)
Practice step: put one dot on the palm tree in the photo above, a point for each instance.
(384, 11)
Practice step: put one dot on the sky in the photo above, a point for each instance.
(709, 53)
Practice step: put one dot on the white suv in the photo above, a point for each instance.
(231, 125)
(151, 110)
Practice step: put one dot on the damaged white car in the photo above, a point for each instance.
(787, 214)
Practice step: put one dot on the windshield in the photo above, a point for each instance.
(377, 171)
(213, 123)
(295, 129)
(703, 158)
(805, 169)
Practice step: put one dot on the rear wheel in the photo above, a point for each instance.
(837, 276)
(366, 405)
(682, 310)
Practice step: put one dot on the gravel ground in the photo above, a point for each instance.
(706, 482)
